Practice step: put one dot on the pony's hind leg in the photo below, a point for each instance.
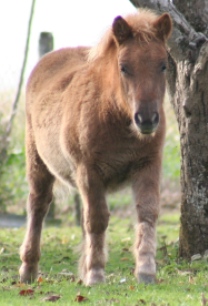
(146, 193)
(40, 183)
(95, 222)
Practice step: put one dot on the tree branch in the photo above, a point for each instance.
(184, 36)
(16, 100)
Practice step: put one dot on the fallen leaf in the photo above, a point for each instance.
(26, 292)
(124, 258)
(40, 280)
(125, 250)
(51, 298)
(80, 298)
(142, 302)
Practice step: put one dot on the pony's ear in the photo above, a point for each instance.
(121, 30)
(164, 26)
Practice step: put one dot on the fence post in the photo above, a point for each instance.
(46, 43)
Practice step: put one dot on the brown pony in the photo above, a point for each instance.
(95, 120)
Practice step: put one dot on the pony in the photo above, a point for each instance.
(95, 120)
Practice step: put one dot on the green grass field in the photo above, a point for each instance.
(178, 282)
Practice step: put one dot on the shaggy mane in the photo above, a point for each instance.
(142, 24)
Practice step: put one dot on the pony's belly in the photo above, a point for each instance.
(55, 161)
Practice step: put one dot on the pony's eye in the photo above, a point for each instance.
(163, 67)
(124, 69)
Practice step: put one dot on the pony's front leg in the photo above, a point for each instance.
(146, 194)
(95, 222)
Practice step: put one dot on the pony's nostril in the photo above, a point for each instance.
(155, 118)
(138, 118)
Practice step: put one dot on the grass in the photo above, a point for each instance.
(178, 282)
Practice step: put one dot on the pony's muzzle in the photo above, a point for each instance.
(147, 125)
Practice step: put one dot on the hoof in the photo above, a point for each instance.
(94, 276)
(28, 273)
(146, 278)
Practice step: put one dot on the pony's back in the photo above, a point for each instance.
(55, 70)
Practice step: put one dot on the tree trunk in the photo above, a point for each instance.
(192, 104)
(196, 12)
(187, 82)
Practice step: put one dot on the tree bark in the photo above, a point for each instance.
(187, 83)
(196, 12)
